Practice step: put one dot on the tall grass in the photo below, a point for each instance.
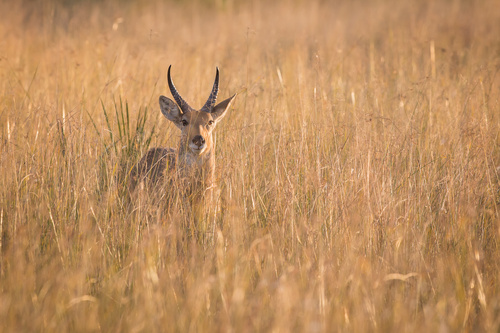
(359, 168)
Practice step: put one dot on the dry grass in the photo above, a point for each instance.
(359, 168)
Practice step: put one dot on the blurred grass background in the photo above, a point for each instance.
(359, 167)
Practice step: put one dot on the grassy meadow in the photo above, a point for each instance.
(359, 167)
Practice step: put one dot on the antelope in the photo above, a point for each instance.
(193, 162)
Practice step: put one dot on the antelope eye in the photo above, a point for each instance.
(210, 122)
(184, 122)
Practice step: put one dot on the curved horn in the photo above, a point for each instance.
(182, 103)
(209, 105)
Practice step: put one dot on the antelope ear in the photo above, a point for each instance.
(170, 110)
(219, 111)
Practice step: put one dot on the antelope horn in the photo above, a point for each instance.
(209, 105)
(182, 103)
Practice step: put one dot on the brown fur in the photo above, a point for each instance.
(192, 165)
(151, 168)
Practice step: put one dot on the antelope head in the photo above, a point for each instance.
(196, 126)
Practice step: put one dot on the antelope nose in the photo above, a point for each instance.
(198, 140)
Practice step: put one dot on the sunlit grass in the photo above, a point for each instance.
(359, 167)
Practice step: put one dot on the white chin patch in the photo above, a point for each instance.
(197, 150)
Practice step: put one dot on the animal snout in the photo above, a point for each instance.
(199, 140)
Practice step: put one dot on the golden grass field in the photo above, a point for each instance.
(359, 167)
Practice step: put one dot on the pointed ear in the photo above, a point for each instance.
(170, 110)
(219, 111)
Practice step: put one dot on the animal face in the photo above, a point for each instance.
(196, 130)
(196, 126)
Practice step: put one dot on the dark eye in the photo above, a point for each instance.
(210, 122)
(184, 122)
